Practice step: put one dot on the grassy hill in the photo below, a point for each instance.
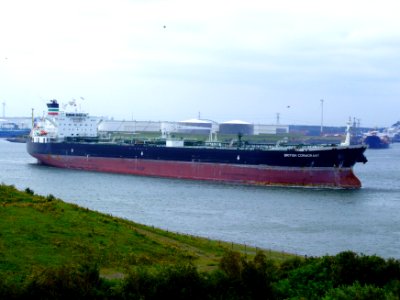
(53, 250)
(40, 232)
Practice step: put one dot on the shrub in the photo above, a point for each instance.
(356, 292)
(232, 264)
(349, 267)
(65, 282)
(257, 277)
(29, 191)
(173, 282)
(310, 280)
(50, 198)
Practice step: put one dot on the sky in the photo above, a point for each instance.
(307, 61)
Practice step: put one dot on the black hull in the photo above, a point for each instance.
(326, 157)
(325, 167)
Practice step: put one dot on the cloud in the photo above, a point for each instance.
(205, 54)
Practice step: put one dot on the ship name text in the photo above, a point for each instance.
(301, 155)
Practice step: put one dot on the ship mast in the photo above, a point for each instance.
(348, 135)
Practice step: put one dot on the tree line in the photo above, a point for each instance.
(347, 275)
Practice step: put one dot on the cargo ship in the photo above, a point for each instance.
(71, 140)
(376, 140)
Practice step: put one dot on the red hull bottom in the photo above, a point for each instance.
(242, 174)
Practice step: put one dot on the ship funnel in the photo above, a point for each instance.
(53, 108)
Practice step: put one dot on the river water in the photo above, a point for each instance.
(298, 220)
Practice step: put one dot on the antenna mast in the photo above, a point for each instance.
(322, 116)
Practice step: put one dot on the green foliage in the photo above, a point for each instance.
(258, 276)
(50, 198)
(349, 267)
(9, 288)
(360, 273)
(53, 250)
(40, 232)
(357, 292)
(232, 263)
(65, 282)
(289, 265)
(310, 280)
(248, 279)
(173, 282)
(29, 191)
(238, 278)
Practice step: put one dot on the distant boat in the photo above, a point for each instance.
(376, 140)
(17, 139)
(9, 129)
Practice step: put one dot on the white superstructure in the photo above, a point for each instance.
(75, 125)
(60, 125)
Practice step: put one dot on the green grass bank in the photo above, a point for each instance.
(50, 249)
(40, 232)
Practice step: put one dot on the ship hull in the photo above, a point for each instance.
(241, 173)
(13, 133)
(376, 142)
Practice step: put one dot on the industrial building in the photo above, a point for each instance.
(129, 126)
(270, 129)
(191, 126)
(195, 126)
(236, 127)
